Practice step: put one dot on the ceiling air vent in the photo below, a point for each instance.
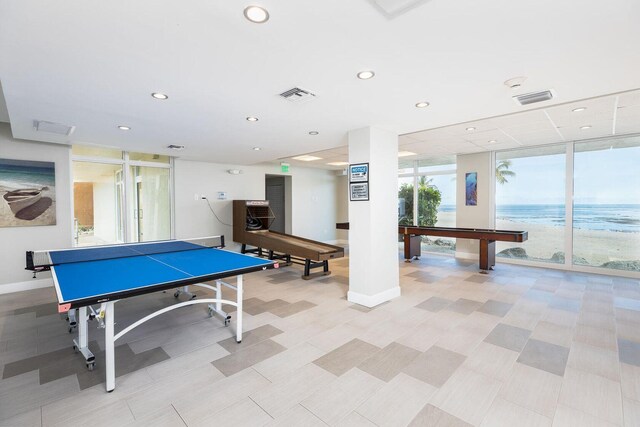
(51, 127)
(532, 98)
(297, 95)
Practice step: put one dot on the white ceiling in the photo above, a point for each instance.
(93, 64)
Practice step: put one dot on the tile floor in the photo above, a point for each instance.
(520, 346)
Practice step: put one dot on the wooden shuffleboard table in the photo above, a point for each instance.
(487, 239)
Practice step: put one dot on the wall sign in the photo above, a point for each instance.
(359, 172)
(358, 191)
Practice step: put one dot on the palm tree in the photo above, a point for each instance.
(502, 171)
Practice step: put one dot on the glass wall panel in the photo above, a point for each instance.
(151, 204)
(98, 203)
(530, 196)
(606, 210)
(405, 200)
(437, 208)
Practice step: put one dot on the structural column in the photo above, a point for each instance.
(373, 224)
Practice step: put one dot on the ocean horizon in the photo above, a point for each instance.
(605, 217)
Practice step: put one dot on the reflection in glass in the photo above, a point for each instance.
(97, 204)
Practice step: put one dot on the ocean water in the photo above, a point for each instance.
(16, 176)
(619, 217)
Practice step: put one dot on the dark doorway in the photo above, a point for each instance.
(275, 194)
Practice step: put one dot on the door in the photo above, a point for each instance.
(275, 194)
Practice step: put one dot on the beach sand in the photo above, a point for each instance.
(594, 246)
(47, 205)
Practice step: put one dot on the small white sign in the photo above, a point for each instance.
(359, 191)
(359, 172)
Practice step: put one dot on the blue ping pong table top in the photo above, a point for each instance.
(107, 277)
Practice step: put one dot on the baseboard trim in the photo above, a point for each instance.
(25, 286)
(373, 300)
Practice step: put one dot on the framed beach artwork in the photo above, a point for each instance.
(471, 188)
(27, 193)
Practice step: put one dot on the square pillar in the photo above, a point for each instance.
(373, 224)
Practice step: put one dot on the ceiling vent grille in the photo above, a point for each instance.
(297, 95)
(532, 98)
(51, 127)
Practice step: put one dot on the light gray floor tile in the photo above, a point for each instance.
(509, 337)
(297, 416)
(435, 366)
(566, 304)
(346, 357)
(398, 402)
(542, 355)
(339, 398)
(279, 397)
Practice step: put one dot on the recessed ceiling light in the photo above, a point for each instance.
(314, 132)
(338, 163)
(492, 141)
(307, 158)
(121, 127)
(366, 75)
(585, 127)
(470, 129)
(256, 14)
(576, 110)
(158, 95)
(176, 147)
(257, 148)
(252, 119)
(405, 153)
(422, 104)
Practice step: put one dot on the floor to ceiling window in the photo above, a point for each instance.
(581, 209)
(606, 209)
(107, 209)
(530, 196)
(432, 183)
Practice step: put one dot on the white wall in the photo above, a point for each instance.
(15, 241)
(479, 216)
(313, 198)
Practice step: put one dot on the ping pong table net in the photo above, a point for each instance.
(44, 260)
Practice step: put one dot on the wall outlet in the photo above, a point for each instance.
(222, 195)
(196, 197)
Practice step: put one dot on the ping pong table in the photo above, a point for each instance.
(102, 275)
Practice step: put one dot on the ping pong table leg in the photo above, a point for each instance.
(109, 347)
(82, 342)
(239, 297)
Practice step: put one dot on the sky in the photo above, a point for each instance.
(600, 177)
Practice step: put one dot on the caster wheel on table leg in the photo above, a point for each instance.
(227, 321)
(90, 366)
